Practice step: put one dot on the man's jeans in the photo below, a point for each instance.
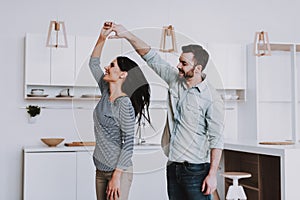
(185, 181)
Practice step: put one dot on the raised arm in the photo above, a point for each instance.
(94, 63)
(139, 45)
(105, 31)
(153, 59)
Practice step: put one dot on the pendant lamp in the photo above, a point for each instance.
(57, 36)
(168, 40)
(261, 44)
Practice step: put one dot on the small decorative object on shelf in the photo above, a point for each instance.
(37, 92)
(262, 44)
(64, 93)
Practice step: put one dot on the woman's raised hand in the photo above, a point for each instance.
(120, 31)
(106, 30)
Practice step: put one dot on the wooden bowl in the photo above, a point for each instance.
(52, 142)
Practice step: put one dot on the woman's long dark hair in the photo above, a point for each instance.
(136, 87)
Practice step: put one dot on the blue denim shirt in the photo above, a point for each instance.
(195, 115)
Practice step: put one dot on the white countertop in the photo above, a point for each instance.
(252, 146)
(249, 146)
(59, 148)
(62, 148)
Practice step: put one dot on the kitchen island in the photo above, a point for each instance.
(274, 168)
(69, 173)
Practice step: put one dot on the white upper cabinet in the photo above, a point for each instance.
(49, 66)
(37, 60)
(272, 112)
(55, 69)
(62, 64)
(84, 48)
(229, 60)
(231, 121)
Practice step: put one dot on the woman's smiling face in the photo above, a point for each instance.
(112, 72)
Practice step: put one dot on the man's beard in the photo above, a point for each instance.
(188, 74)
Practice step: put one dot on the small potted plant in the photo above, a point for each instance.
(33, 111)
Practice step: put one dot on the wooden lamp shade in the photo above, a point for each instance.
(262, 44)
(57, 36)
(168, 34)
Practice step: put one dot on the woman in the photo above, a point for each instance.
(125, 95)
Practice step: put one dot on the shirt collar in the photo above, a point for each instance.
(200, 86)
(203, 84)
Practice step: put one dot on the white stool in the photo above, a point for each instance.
(236, 191)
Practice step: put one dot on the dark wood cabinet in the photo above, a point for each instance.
(264, 184)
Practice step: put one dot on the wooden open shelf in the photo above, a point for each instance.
(283, 47)
(61, 98)
(265, 170)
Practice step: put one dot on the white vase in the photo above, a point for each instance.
(32, 120)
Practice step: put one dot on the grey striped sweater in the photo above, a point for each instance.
(113, 127)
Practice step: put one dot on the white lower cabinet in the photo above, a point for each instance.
(66, 173)
(59, 175)
(149, 175)
(50, 175)
(85, 176)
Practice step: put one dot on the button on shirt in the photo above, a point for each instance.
(195, 115)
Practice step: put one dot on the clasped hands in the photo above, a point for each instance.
(118, 29)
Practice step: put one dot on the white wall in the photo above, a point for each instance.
(202, 20)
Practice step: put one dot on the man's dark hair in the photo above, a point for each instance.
(201, 56)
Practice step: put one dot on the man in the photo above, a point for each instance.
(195, 120)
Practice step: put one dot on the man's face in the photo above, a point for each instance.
(186, 65)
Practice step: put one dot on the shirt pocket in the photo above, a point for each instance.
(193, 114)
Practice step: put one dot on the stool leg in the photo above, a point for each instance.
(235, 193)
(231, 193)
(242, 194)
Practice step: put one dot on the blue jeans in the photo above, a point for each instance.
(185, 181)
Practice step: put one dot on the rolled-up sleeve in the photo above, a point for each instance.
(97, 72)
(215, 124)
